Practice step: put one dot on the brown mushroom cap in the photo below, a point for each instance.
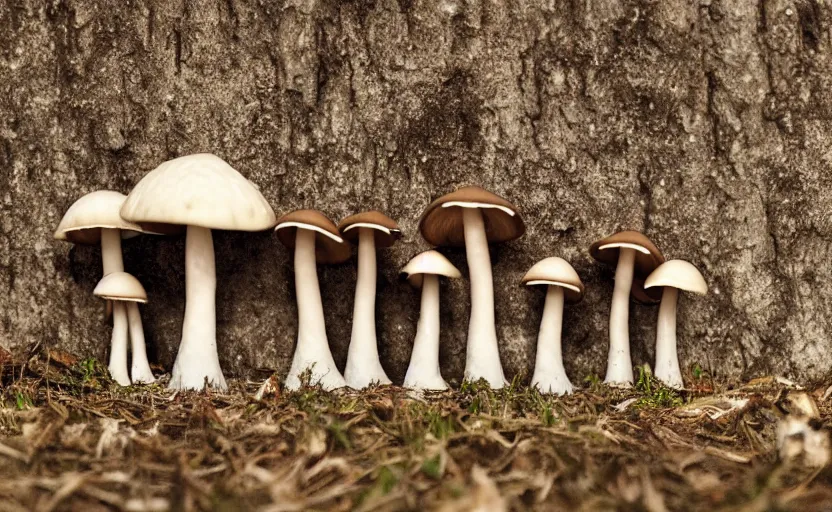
(387, 231)
(329, 246)
(648, 257)
(556, 271)
(441, 224)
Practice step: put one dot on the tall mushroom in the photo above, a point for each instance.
(672, 275)
(203, 193)
(94, 219)
(473, 217)
(423, 272)
(562, 283)
(125, 291)
(369, 230)
(634, 257)
(315, 239)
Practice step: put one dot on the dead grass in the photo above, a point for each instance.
(72, 440)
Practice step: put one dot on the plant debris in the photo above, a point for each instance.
(71, 439)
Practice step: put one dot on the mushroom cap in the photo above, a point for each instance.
(556, 272)
(387, 231)
(83, 221)
(648, 257)
(198, 190)
(120, 286)
(442, 225)
(429, 262)
(329, 246)
(678, 274)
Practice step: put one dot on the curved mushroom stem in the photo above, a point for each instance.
(312, 351)
(482, 360)
(667, 360)
(111, 251)
(423, 371)
(363, 364)
(619, 364)
(549, 374)
(197, 362)
(140, 372)
(118, 347)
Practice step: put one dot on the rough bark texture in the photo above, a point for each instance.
(707, 125)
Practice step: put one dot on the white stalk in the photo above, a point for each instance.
(118, 346)
(549, 374)
(423, 372)
(140, 372)
(197, 362)
(363, 364)
(482, 360)
(619, 364)
(111, 251)
(667, 360)
(312, 351)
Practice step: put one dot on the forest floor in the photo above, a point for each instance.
(70, 439)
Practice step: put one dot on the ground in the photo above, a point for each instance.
(73, 440)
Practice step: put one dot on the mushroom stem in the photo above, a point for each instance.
(667, 360)
(312, 351)
(363, 365)
(423, 371)
(140, 372)
(482, 359)
(549, 374)
(197, 360)
(111, 251)
(118, 347)
(619, 364)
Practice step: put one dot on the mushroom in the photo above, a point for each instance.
(423, 272)
(125, 292)
(634, 257)
(369, 230)
(473, 217)
(94, 219)
(203, 193)
(315, 239)
(562, 283)
(672, 275)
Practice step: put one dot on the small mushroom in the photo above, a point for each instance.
(369, 230)
(473, 218)
(315, 239)
(423, 272)
(203, 193)
(562, 283)
(672, 275)
(125, 292)
(634, 257)
(94, 219)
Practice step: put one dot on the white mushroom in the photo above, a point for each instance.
(315, 239)
(126, 292)
(633, 256)
(672, 275)
(369, 230)
(474, 217)
(562, 283)
(203, 193)
(423, 272)
(94, 219)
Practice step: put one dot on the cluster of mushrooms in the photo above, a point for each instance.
(198, 193)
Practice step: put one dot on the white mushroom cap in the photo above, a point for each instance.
(83, 221)
(120, 286)
(429, 262)
(678, 274)
(556, 272)
(198, 190)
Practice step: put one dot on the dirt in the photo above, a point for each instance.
(74, 440)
